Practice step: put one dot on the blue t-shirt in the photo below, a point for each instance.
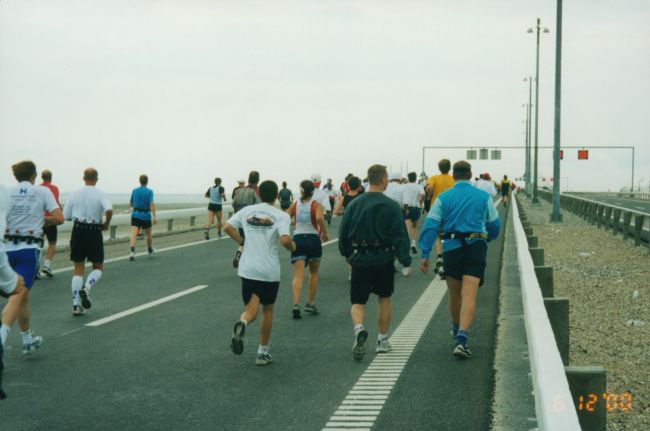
(141, 200)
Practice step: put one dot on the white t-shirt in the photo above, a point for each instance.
(7, 275)
(263, 225)
(487, 186)
(303, 218)
(87, 205)
(27, 204)
(321, 197)
(411, 193)
(394, 191)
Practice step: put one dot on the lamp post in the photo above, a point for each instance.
(526, 173)
(530, 30)
(528, 131)
(556, 215)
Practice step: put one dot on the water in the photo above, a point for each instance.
(159, 198)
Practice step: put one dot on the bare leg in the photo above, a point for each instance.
(149, 234)
(313, 281)
(219, 224)
(51, 249)
(468, 305)
(267, 323)
(384, 315)
(13, 307)
(210, 220)
(23, 312)
(455, 300)
(134, 233)
(250, 310)
(358, 314)
(298, 275)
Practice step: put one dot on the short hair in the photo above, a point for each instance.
(144, 180)
(354, 182)
(444, 165)
(217, 181)
(462, 170)
(254, 178)
(90, 174)
(412, 177)
(268, 191)
(306, 189)
(376, 173)
(46, 175)
(284, 184)
(505, 177)
(481, 176)
(23, 171)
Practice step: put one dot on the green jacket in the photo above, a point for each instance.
(372, 232)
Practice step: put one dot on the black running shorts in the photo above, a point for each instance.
(51, 233)
(308, 248)
(469, 260)
(267, 291)
(215, 208)
(365, 280)
(144, 224)
(87, 244)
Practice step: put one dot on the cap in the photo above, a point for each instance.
(486, 176)
(395, 176)
(241, 181)
(315, 177)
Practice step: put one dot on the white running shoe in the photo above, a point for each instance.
(29, 348)
(78, 310)
(383, 346)
(132, 255)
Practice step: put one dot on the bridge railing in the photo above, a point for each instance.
(554, 405)
(629, 223)
(645, 196)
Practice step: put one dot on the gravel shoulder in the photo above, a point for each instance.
(607, 281)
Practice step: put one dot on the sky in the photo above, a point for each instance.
(187, 91)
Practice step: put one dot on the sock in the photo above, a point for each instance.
(77, 284)
(358, 328)
(150, 250)
(454, 328)
(262, 349)
(27, 336)
(132, 249)
(93, 278)
(47, 263)
(381, 337)
(412, 243)
(461, 337)
(4, 333)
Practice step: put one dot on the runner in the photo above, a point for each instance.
(504, 187)
(264, 225)
(240, 184)
(468, 220)
(435, 186)
(307, 217)
(354, 185)
(217, 195)
(244, 196)
(332, 195)
(485, 183)
(23, 238)
(319, 194)
(394, 190)
(143, 215)
(371, 234)
(87, 207)
(286, 197)
(50, 231)
(412, 198)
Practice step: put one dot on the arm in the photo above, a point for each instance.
(152, 207)
(401, 239)
(320, 220)
(429, 234)
(109, 215)
(345, 246)
(493, 222)
(288, 243)
(55, 219)
(233, 233)
(207, 193)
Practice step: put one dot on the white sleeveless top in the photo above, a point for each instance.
(303, 218)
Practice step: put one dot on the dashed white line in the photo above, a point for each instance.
(378, 380)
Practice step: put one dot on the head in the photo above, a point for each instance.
(462, 171)
(254, 178)
(284, 184)
(46, 176)
(378, 176)
(268, 191)
(395, 177)
(306, 189)
(24, 171)
(144, 180)
(413, 176)
(444, 165)
(505, 177)
(91, 176)
(480, 176)
(240, 183)
(329, 181)
(315, 178)
(217, 181)
(354, 182)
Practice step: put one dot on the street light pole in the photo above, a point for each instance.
(526, 169)
(556, 215)
(530, 30)
(530, 127)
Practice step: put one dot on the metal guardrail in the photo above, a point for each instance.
(629, 223)
(644, 196)
(554, 406)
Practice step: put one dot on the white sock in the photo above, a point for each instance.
(381, 337)
(412, 243)
(4, 333)
(358, 328)
(263, 349)
(47, 263)
(94, 276)
(77, 284)
(27, 336)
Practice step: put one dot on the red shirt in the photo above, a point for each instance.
(55, 191)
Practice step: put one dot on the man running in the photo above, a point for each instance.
(307, 217)
(332, 195)
(354, 187)
(259, 268)
(485, 183)
(143, 215)
(51, 231)
(244, 196)
(217, 195)
(468, 220)
(286, 197)
(504, 187)
(25, 222)
(394, 189)
(371, 234)
(435, 186)
(319, 194)
(91, 212)
(412, 199)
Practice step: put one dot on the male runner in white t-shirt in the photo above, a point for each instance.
(259, 265)
(412, 199)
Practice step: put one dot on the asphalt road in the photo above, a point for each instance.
(631, 204)
(169, 367)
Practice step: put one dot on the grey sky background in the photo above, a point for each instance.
(188, 90)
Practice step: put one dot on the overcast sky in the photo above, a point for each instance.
(188, 90)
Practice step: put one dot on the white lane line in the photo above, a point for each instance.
(146, 306)
(379, 379)
(640, 208)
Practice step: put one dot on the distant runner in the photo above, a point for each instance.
(143, 215)
(51, 231)
(217, 195)
(412, 199)
(354, 191)
(286, 197)
(244, 196)
(504, 187)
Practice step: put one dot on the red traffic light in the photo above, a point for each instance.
(583, 154)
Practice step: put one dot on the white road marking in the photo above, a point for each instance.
(145, 306)
(640, 208)
(376, 383)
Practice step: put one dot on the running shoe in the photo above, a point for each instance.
(29, 348)
(85, 298)
(235, 261)
(414, 250)
(263, 359)
(462, 352)
(207, 235)
(47, 271)
(296, 311)
(383, 346)
(237, 341)
(132, 255)
(311, 309)
(78, 310)
(358, 349)
(150, 253)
